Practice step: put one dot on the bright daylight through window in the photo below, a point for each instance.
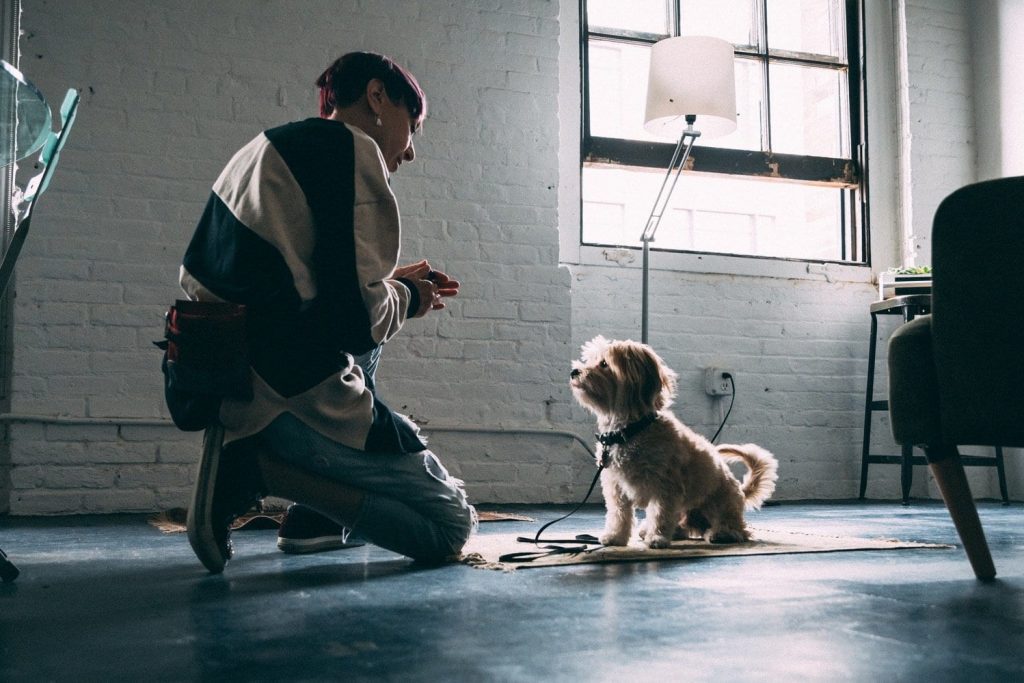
(786, 184)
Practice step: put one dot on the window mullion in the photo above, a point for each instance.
(762, 46)
(585, 68)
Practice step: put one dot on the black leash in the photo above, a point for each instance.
(584, 540)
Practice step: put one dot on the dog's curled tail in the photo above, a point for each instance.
(763, 470)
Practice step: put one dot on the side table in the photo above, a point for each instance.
(908, 307)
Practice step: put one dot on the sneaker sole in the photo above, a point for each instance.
(299, 546)
(199, 521)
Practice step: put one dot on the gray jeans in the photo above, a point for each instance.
(412, 505)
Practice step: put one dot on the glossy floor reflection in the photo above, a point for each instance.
(112, 598)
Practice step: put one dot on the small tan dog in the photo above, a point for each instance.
(654, 461)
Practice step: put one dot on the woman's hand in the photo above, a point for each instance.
(446, 286)
(432, 285)
(405, 271)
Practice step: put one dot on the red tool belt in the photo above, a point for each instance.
(205, 360)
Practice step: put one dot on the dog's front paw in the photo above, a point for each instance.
(614, 538)
(725, 536)
(657, 541)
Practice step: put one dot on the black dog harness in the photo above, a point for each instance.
(621, 436)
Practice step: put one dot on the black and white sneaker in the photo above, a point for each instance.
(304, 530)
(228, 485)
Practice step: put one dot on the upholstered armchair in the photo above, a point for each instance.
(956, 377)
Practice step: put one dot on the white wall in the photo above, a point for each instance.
(940, 138)
(171, 89)
(997, 53)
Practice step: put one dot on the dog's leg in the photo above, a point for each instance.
(726, 535)
(680, 533)
(694, 524)
(727, 525)
(618, 521)
(661, 522)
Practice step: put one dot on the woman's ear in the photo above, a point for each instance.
(375, 94)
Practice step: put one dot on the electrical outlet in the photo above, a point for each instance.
(717, 381)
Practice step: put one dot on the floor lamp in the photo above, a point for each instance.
(690, 76)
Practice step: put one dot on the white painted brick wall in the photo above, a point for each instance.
(172, 89)
(942, 132)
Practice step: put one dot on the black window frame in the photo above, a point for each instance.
(841, 173)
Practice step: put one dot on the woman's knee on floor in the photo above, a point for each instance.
(449, 537)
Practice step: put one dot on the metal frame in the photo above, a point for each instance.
(10, 26)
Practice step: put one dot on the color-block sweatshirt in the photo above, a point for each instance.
(302, 228)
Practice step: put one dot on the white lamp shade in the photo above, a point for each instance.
(691, 75)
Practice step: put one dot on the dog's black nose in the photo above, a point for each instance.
(575, 373)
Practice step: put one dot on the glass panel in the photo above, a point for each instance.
(714, 213)
(618, 96)
(815, 26)
(25, 118)
(644, 16)
(618, 89)
(749, 109)
(810, 110)
(732, 20)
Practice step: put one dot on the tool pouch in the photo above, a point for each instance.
(205, 360)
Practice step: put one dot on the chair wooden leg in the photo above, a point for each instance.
(949, 475)
(8, 572)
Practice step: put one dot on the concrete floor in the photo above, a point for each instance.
(111, 598)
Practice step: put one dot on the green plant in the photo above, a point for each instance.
(912, 270)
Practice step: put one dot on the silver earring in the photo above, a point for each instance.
(378, 121)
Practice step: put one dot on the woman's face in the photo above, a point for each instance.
(394, 135)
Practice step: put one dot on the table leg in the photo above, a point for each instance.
(868, 398)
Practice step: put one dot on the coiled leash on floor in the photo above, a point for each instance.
(583, 541)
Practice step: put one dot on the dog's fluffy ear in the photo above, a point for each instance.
(665, 379)
(593, 348)
(653, 381)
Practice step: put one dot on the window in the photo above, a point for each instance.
(788, 183)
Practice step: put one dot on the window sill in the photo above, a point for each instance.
(720, 264)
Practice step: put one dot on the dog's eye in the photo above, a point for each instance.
(603, 364)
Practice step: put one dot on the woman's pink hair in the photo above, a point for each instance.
(344, 82)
